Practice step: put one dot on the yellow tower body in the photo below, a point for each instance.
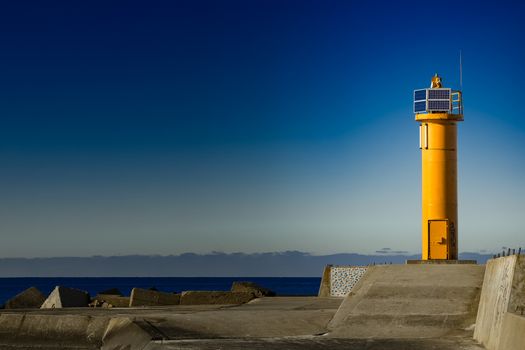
(438, 110)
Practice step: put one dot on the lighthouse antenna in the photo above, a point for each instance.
(460, 72)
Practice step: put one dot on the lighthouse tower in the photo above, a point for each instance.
(438, 110)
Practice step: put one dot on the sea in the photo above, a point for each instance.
(283, 286)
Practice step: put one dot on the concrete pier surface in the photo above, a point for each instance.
(265, 323)
(391, 307)
(86, 328)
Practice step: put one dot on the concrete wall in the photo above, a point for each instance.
(47, 331)
(503, 292)
(344, 278)
(338, 281)
(411, 301)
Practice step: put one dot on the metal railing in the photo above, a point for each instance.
(457, 102)
(509, 253)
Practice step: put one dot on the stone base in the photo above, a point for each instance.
(441, 261)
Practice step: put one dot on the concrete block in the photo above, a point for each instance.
(517, 293)
(66, 297)
(113, 300)
(146, 297)
(324, 288)
(215, 297)
(512, 335)
(29, 298)
(503, 291)
(250, 287)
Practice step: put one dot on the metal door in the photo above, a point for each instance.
(438, 232)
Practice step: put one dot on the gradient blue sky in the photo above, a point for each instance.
(161, 127)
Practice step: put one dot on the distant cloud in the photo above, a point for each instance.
(215, 264)
(390, 251)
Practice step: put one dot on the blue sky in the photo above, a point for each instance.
(171, 126)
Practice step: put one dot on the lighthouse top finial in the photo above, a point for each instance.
(436, 82)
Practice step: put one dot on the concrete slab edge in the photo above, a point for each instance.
(512, 336)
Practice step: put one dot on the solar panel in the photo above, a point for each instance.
(438, 94)
(438, 105)
(420, 106)
(420, 95)
(432, 100)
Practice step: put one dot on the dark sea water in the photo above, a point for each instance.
(281, 285)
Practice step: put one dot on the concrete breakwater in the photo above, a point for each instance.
(62, 297)
(428, 306)
(65, 320)
(289, 286)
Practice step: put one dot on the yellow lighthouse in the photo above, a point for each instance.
(438, 110)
